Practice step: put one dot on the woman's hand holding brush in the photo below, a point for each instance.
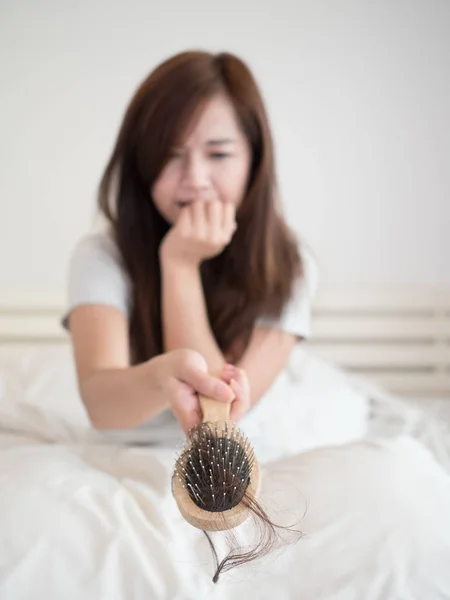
(238, 381)
(183, 374)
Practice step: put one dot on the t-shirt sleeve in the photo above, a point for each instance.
(296, 316)
(96, 276)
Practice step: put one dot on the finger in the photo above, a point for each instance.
(228, 371)
(238, 389)
(185, 405)
(183, 213)
(240, 377)
(188, 419)
(184, 220)
(238, 406)
(214, 219)
(229, 217)
(205, 384)
(187, 422)
(198, 218)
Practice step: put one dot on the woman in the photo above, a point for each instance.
(197, 255)
(198, 272)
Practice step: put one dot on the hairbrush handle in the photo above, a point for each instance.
(214, 410)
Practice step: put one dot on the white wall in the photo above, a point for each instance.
(358, 93)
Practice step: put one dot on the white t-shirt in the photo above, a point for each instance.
(97, 276)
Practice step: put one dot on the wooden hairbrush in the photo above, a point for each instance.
(217, 473)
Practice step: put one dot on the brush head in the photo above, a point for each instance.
(216, 476)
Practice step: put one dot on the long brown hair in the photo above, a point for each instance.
(255, 274)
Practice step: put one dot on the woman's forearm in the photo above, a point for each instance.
(184, 314)
(124, 398)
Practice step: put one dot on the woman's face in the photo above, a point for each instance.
(212, 165)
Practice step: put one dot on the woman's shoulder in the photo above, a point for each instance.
(96, 245)
(296, 315)
(308, 282)
(96, 256)
(96, 274)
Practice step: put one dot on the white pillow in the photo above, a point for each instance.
(39, 392)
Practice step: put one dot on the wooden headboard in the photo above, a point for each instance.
(397, 335)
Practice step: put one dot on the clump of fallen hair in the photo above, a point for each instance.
(269, 539)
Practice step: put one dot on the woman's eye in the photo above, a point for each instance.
(219, 155)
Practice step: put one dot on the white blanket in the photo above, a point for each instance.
(82, 517)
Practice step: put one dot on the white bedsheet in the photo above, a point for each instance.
(84, 518)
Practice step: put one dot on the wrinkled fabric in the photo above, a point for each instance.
(82, 516)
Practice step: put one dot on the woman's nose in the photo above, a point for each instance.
(196, 175)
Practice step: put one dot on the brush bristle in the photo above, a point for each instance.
(215, 466)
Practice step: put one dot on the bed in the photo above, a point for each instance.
(83, 517)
